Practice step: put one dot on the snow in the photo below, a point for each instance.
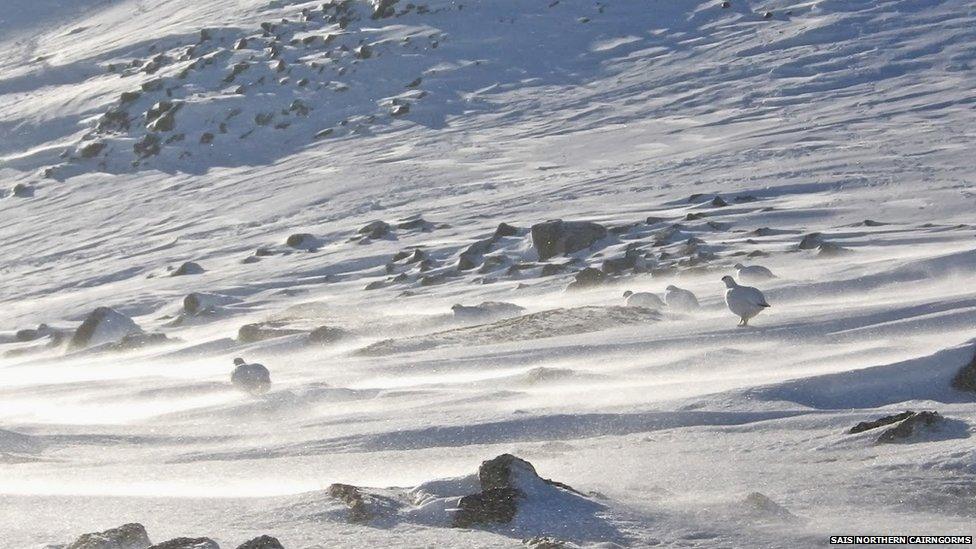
(831, 113)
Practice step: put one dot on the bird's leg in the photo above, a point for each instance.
(744, 321)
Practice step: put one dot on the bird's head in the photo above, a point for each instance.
(238, 361)
(729, 281)
(671, 287)
(738, 266)
(628, 293)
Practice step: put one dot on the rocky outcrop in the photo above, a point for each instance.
(887, 420)
(127, 536)
(376, 229)
(103, 325)
(558, 237)
(910, 427)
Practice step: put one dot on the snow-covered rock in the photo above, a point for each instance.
(103, 325)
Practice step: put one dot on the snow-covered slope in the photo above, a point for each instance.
(853, 119)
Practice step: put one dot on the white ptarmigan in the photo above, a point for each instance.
(643, 299)
(744, 301)
(752, 273)
(679, 299)
(251, 378)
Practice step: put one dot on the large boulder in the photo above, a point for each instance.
(588, 278)
(103, 325)
(262, 542)
(127, 536)
(558, 237)
(187, 543)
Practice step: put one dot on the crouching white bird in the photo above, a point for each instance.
(752, 273)
(251, 378)
(643, 299)
(744, 301)
(680, 299)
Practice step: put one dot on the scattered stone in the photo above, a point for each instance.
(129, 97)
(152, 85)
(768, 15)
(240, 44)
(694, 216)
(726, 4)
(262, 331)
(965, 379)
(148, 146)
(872, 223)
(188, 268)
(588, 278)
(32, 334)
(127, 536)
(551, 269)
(114, 120)
(327, 335)
(103, 325)
(558, 237)
(431, 280)
(22, 190)
(909, 427)
(470, 257)
(619, 264)
(251, 378)
(324, 133)
(718, 202)
(207, 138)
(351, 496)
(187, 543)
(504, 229)
(414, 83)
(363, 52)
(299, 107)
(546, 542)
(400, 110)
(383, 8)
(262, 542)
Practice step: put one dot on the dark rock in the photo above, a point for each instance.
(206, 138)
(693, 216)
(32, 334)
(488, 310)
(103, 325)
(745, 198)
(504, 229)
(251, 378)
(588, 278)
(619, 264)
(323, 133)
(350, 495)
(558, 237)
(129, 97)
(188, 268)
(114, 120)
(471, 256)
(264, 118)
(494, 505)
(401, 255)
(545, 542)
(414, 83)
(909, 427)
(148, 146)
(550, 269)
(383, 8)
(127, 536)
(887, 420)
(726, 4)
(131, 342)
(965, 379)
(718, 202)
(153, 85)
(240, 44)
(363, 52)
(431, 280)
(91, 150)
(375, 285)
(810, 241)
(263, 542)
(768, 15)
(187, 543)
(872, 223)
(376, 229)
(303, 241)
(252, 333)
(326, 335)
(494, 262)
(400, 110)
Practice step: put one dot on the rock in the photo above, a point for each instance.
(103, 325)
(376, 229)
(32, 334)
(114, 120)
(718, 202)
(550, 269)
(431, 280)
(810, 241)
(414, 83)
(829, 249)
(299, 107)
(200, 303)
(129, 96)
(251, 378)
(383, 8)
(138, 341)
(127, 536)
(619, 264)
(262, 542)
(152, 85)
(694, 216)
(303, 241)
(726, 4)
(22, 190)
(471, 256)
(324, 133)
(909, 427)
(504, 229)
(351, 496)
(326, 335)
(558, 237)
(363, 52)
(965, 379)
(546, 542)
(588, 278)
(206, 138)
(188, 268)
(400, 110)
(487, 310)
(414, 224)
(887, 420)
(253, 333)
(496, 505)
(763, 507)
(768, 15)
(91, 150)
(148, 146)
(872, 223)
(187, 543)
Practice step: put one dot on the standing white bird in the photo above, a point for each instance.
(680, 299)
(643, 299)
(251, 378)
(744, 301)
(752, 273)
